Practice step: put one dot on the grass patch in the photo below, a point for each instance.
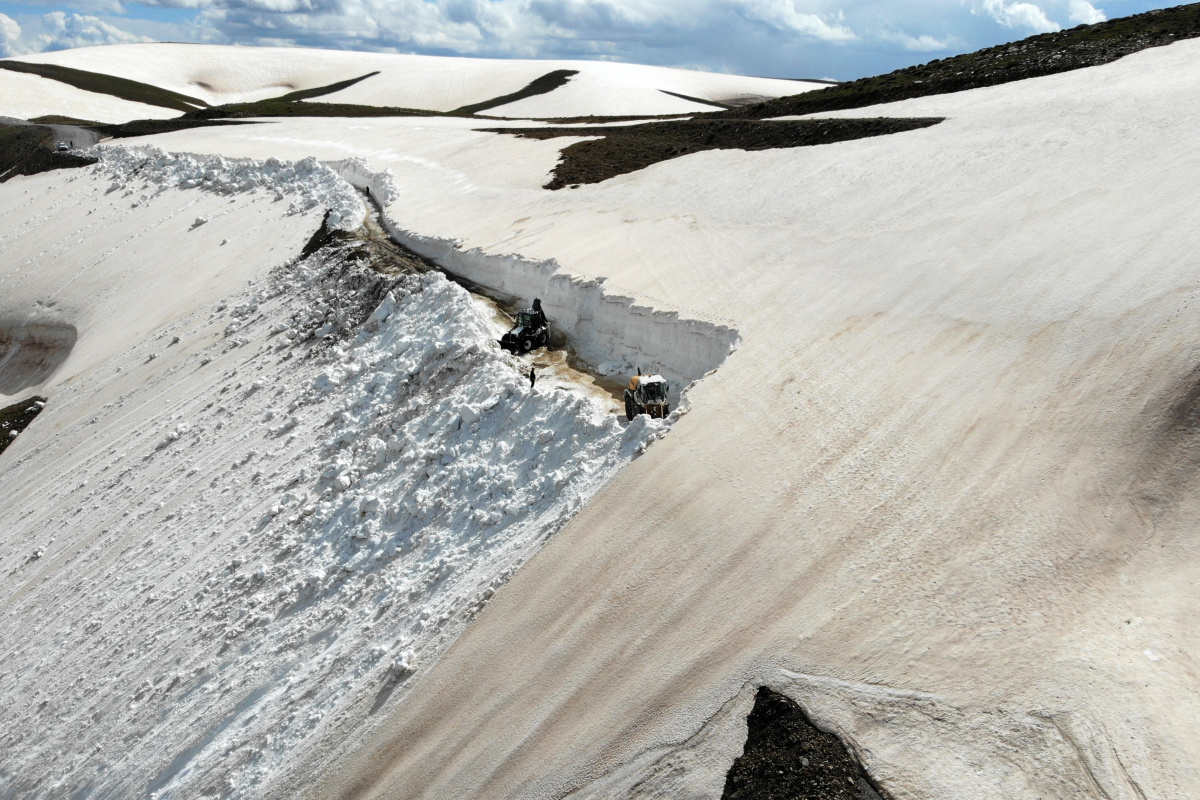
(16, 418)
(149, 127)
(547, 83)
(278, 107)
(30, 149)
(138, 127)
(1045, 54)
(305, 94)
(108, 84)
(597, 120)
(292, 105)
(628, 148)
(701, 101)
(56, 119)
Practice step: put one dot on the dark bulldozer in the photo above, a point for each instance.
(529, 332)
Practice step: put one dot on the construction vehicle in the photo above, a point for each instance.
(530, 331)
(647, 394)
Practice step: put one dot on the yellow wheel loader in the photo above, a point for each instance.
(647, 394)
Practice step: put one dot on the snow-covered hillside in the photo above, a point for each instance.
(942, 494)
(28, 96)
(243, 74)
(944, 482)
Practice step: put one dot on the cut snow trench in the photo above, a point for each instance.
(610, 331)
(357, 470)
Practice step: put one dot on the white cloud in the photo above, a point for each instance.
(788, 38)
(921, 44)
(64, 31)
(1020, 15)
(1084, 13)
(10, 35)
(783, 14)
(583, 15)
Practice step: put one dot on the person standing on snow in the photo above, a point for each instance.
(532, 378)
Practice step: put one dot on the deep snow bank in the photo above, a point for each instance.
(308, 182)
(250, 554)
(610, 330)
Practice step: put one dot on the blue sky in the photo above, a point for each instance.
(777, 38)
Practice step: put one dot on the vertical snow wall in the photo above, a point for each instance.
(610, 331)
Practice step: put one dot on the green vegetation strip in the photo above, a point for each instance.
(108, 84)
(547, 83)
(56, 119)
(149, 127)
(699, 100)
(138, 127)
(290, 105)
(16, 418)
(305, 94)
(278, 107)
(628, 148)
(1046, 54)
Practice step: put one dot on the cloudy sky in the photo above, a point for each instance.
(838, 39)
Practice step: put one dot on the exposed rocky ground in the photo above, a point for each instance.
(629, 148)
(16, 418)
(789, 758)
(30, 149)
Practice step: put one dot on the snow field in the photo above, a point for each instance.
(217, 74)
(964, 480)
(613, 88)
(232, 578)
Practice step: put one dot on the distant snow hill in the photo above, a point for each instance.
(216, 75)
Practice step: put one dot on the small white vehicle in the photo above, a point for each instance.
(63, 147)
